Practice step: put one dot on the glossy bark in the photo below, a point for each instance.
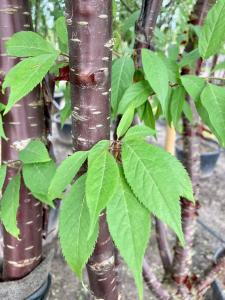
(24, 122)
(90, 45)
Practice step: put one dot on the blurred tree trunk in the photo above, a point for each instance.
(24, 122)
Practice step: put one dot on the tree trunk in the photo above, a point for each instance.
(90, 43)
(24, 122)
(145, 27)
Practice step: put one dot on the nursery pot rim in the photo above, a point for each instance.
(208, 140)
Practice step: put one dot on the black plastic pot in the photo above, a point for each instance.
(208, 159)
(64, 132)
(218, 293)
(43, 291)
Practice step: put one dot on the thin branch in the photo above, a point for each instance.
(211, 274)
(126, 6)
(163, 245)
(154, 284)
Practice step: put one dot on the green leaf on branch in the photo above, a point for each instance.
(130, 21)
(126, 121)
(122, 77)
(35, 152)
(139, 131)
(10, 205)
(74, 225)
(194, 85)
(37, 178)
(2, 132)
(146, 115)
(61, 30)
(25, 76)
(65, 173)
(102, 179)
(3, 169)
(212, 35)
(212, 99)
(158, 180)
(129, 224)
(220, 66)
(157, 75)
(187, 111)
(66, 112)
(177, 103)
(28, 43)
(173, 52)
(172, 68)
(189, 59)
(136, 94)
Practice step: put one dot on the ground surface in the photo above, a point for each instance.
(212, 212)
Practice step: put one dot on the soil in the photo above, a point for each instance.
(211, 213)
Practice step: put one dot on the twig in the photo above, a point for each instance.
(210, 275)
(154, 284)
(163, 245)
(126, 6)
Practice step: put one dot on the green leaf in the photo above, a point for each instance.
(126, 121)
(74, 224)
(122, 77)
(130, 21)
(189, 59)
(37, 178)
(158, 179)
(65, 113)
(220, 66)
(65, 173)
(177, 102)
(212, 35)
(3, 169)
(9, 206)
(146, 114)
(25, 76)
(205, 118)
(194, 85)
(35, 152)
(138, 131)
(157, 75)
(212, 99)
(187, 111)
(28, 43)
(61, 30)
(2, 107)
(2, 132)
(102, 179)
(136, 94)
(129, 224)
(173, 52)
(172, 68)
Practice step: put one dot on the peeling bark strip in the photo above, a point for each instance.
(183, 256)
(20, 256)
(90, 44)
(145, 26)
